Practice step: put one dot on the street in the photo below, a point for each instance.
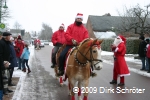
(41, 83)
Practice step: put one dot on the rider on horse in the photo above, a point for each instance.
(37, 41)
(58, 39)
(75, 33)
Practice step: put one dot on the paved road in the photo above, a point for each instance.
(42, 85)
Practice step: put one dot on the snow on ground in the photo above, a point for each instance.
(22, 75)
(129, 59)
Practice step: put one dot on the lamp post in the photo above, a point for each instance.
(1, 6)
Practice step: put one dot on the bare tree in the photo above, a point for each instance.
(135, 19)
(46, 32)
(17, 26)
(4, 11)
(107, 14)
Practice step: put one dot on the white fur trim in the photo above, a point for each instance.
(116, 49)
(124, 75)
(79, 17)
(62, 26)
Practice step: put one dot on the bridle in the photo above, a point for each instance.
(87, 60)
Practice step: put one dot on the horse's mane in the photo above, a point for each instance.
(85, 40)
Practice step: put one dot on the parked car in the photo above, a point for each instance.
(42, 44)
(46, 42)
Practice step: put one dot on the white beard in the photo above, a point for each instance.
(117, 41)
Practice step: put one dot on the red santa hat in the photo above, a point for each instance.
(62, 25)
(79, 15)
(122, 38)
(19, 37)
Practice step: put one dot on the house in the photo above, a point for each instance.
(16, 32)
(100, 26)
(27, 37)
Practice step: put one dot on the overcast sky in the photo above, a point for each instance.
(30, 14)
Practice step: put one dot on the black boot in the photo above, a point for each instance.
(9, 91)
(113, 82)
(61, 73)
(11, 84)
(121, 84)
(53, 66)
(29, 70)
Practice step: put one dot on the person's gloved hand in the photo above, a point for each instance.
(6, 64)
(113, 47)
(74, 42)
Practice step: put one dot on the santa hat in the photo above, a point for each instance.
(19, 37)
(122, 38)
(62, 25)
(79, 15)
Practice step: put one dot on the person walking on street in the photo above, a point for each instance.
(4, 63)
(37, 42)
(120, 65)
(74, 34)
(142, 51)
(13, 61)
(25, 57)
(147, 63)
(58, 39)
(19, 45)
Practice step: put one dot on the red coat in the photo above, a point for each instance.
(37, 41)
(120, 64)
(78, 33)
(58, 37)
(19, 46)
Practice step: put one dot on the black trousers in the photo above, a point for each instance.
(62, 58)
(11, 70)
(55, 49)
(149, 64)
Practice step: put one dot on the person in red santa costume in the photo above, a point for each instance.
(37, 41)
(75, 33)
(19, 46)
(58, 39)
(120, 66)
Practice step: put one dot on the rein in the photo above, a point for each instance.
(87, 60)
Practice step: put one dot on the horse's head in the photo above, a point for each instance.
(96, 52)
(90, 51)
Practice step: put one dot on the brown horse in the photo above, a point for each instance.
(57, 61)
(78, 66)
(97, 64)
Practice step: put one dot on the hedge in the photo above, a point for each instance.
(132, 45)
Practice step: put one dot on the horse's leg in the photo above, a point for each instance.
(72, 84)
(79, 93)
(56, 71)
(85, 84)
(69, 87)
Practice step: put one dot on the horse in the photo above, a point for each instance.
(78, 66)
(97, 64)
(57, 60)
